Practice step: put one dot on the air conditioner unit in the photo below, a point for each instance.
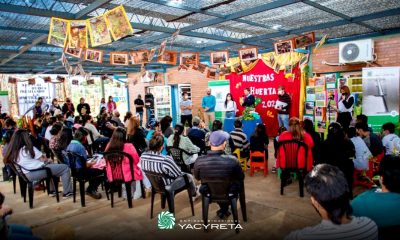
(356, 51)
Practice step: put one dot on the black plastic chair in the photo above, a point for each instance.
(391, 232)
(200, 143)
(115, 161)
(13, 176)
(218, 190)
(24, 182)
(291, 149)
(177, 155)
(157, 181)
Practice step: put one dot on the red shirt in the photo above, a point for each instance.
(111, 106)
(301, 161)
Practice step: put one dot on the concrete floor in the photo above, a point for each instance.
(270, 215)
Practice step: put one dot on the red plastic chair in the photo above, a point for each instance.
(373, 168)
(261, 165)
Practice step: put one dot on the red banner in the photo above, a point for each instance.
(263, 82)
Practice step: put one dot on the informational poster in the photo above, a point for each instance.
(28, 94)
(4, 102)
(219, 89)
(381, 95)
(310, 93)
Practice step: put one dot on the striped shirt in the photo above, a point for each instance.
(157, 163)
(239, 139)
(360, 228)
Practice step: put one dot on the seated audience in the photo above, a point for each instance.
(177, 140)
(51, 121)
(309, 127)
(390, 141)
(94, 175)
(217, 126)
(128, 116)
(259, 140)
(331, 199)
(373, 142)
(364, 120)
(155, 128)
(115, 118)
(105, 126)
(339, 151)
(382, 205)
(362, 152)
(276, 140)
(216, 164)
(97, 137)
(240, 139)
(23, 152)
(154, 161)
(165, 124)
(198, 130)
(136, 135)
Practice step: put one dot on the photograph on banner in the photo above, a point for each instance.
(75, 52)
(310, 93)
(304, 40)
(139, 57)
(320, 99)
(93, 55)
(284, 46)
(309, 106)
(168, 57)
(220, 57)
(303, 61)
(381, 95)
(118, 23)
(330, 80)
(4, 102)
(319, 84)
(190, 58)
(98, 30)
(78, 34)
(248, 54)
(58, 32)
(119, 58)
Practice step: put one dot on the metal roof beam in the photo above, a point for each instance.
(11, 8)
(90, 8)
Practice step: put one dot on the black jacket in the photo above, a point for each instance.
(249, 101)
(83, 105)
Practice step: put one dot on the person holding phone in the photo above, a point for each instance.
(345, 107)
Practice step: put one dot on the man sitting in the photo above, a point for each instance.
(330, 197)
(240, 139)
(95, 175)
(373, 142)
(382, 205)
(197, 133)
(390, 141)
(116, 119)
(218, 165)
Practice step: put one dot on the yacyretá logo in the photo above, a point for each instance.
(166, 220)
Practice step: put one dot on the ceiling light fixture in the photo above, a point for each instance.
(23, 38)
(276, 27)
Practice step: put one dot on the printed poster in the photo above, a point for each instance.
(319, 84)
(310, 93)
(58, 32)
(118, 23)
(310, 108)
(320, 99)
(98, 30)
(330, 81)
(78, 34)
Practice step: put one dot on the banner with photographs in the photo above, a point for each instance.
(58, 32)
(78, 34)
(98, 30)
(118, 23)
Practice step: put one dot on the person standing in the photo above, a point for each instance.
(149, 104)
(230, 106)
(103, 104)
(139, 104)
(208, 104)
(283, 107)
(83, 108)
(68, 106)
(249, 100)
(345, 107)
(186, 108)
(111, 105)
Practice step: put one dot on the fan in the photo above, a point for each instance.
(350, 52)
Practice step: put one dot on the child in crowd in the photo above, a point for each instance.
(390, 141)
(276, 139)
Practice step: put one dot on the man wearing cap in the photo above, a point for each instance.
(218, 165)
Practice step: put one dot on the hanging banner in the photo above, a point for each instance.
(58, 32)
(118, 23)
(4, 102)
(28, 94)
(263, 83)
(98, 30)
(78, 34)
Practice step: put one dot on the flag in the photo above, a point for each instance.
(320, 43)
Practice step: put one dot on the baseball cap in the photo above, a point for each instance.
(196, 120)
(217, 138)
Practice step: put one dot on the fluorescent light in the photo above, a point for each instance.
(23, 38)
(199, 41)
(276, 27)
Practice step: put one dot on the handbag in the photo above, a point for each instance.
(6, 175)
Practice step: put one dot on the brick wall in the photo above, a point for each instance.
(387, 49)
(198, 81)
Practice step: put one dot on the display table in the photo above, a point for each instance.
(248, 126)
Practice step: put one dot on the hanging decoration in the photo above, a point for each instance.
(320, 43)
(75, 82)
(119, 58)
(93, 55)
(161, 50)
(98, 30)
(31, 81)
(118, 23)
(168, 57)
(152, 54)
(75, 52)
(78, 34)
(304, 40)
(58, 32)
(139, 57)
(174, 36)
(12, 80)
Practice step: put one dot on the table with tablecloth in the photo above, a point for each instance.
(248, 126)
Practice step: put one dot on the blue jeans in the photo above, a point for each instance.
(230, 114)
(20, 232)
(141, 118)
(283, 120)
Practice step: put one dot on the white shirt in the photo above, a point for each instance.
(26, 161)
(47, 134)
(343, 108)
(362, 153)
(391, 142)
(94, 132)
(231, 106)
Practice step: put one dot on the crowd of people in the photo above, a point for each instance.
(209, 151)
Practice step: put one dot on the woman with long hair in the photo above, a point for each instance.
(136, 135)
(22, 152)
(309, 127)
(54, 105)
(259, 140)
(345, 108)
(165, 124)
(230, 106)
(177, 140)
(118, 142)
(127, 116)
(296, 132)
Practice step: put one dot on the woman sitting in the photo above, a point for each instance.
(177, 140)
(136, 135)
(23, 152)
(166, 128)
(97, 137)
(155, 128)
(259, 141)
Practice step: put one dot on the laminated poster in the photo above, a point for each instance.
(309, 108)
(319, 84)
(98, 30)
(58, 32)
(78, 34)
(320, 99)
(310, 93)
(118, 23)
(330, 81)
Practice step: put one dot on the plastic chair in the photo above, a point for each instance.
(157, 181)
(291, 150)
(262, 165)
(373, 168)
(25, 182)
(218, 191)
(115, 159)
(177, 155)
(199, 143)
(242, 160)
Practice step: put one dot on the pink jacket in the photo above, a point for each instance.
(138, 175)
(111, 106)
